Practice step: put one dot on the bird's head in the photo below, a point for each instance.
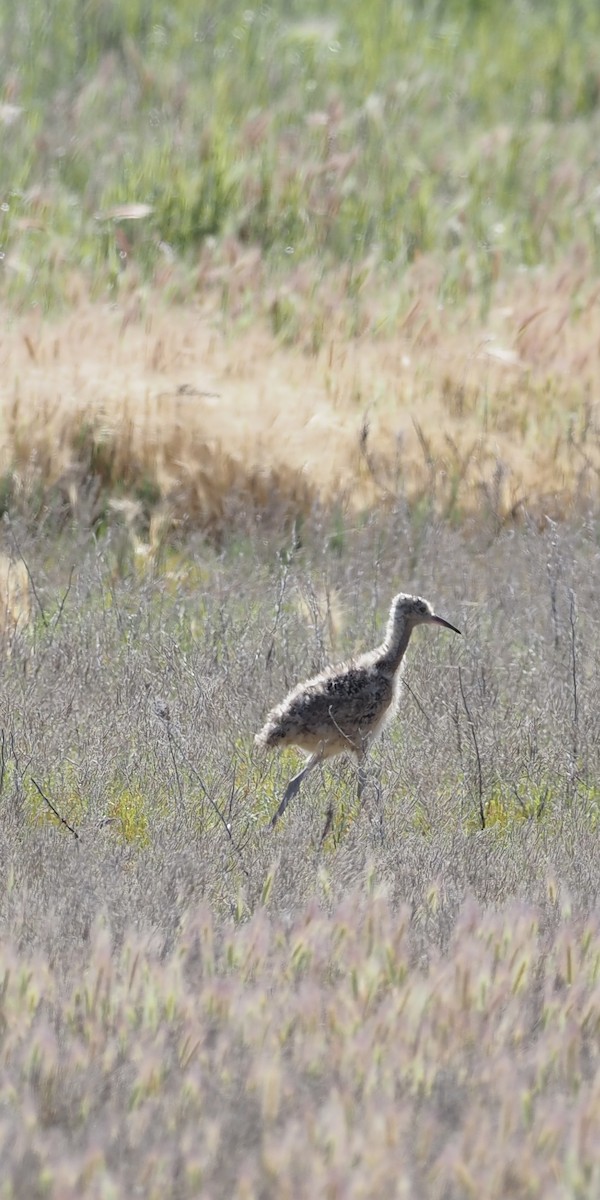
(415, 611)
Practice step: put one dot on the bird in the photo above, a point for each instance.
(345, 707)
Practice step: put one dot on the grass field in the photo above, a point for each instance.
(193, 1005)
(202, 423)
(300, 309)
(330, 222)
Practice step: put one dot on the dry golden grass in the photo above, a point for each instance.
(15, 597)
(183, 407)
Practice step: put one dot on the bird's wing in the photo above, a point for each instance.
(353, 701)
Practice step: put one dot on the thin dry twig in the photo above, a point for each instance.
(175, 741)
(59, 611)
(29, 575)
(572, 624)
(477, 754)
(416, 700)
(162, 711)
(280, 598)
(54, 810)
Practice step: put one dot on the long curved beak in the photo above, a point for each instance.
(444, 624)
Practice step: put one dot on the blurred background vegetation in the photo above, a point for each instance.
(359, 134)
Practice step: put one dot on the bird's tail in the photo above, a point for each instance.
(269, 735)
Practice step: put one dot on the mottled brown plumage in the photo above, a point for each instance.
(344, 708)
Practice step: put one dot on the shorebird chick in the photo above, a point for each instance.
(344, 708)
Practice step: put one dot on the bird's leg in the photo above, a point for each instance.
(380, 807)
(293, 786)
(363, 779)
(362, 782)
(328, 823)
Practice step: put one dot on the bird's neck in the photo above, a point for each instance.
(394, 647)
